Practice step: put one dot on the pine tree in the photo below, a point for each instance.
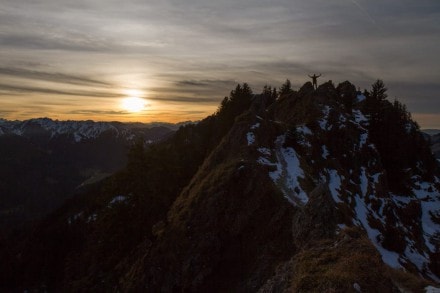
(270, 94)
(286, 88)
(379, 90)
(275, 93)
(267, 90)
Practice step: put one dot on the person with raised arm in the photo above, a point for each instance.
(314, 78)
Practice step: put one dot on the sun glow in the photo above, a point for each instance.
(133, 104)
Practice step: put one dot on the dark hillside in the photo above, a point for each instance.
(43, 162)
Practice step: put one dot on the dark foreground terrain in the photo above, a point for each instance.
(327, 190)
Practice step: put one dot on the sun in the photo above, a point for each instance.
(133, 104)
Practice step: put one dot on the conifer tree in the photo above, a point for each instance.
(267, 90)
(379, 90)
(275, 93)
(270, 94)
(286, 88)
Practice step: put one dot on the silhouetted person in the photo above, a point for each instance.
(315, 80)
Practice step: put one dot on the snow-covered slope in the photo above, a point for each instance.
(336, 150)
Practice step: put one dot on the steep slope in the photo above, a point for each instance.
(228, 230)
(317, 190)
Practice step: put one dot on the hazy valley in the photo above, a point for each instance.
(44, 162)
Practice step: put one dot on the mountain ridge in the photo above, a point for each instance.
(352, 210)
(81, 129)
(269, 194)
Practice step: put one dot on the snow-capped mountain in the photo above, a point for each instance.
(76, 130)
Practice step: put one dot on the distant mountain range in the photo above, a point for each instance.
(431, 131)
(81, 130)
(44, 161)
(433, 136)
(435, 145)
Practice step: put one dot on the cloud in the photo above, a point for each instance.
(206, 83)
(54, 77)
(186, 100)
(30, 89)
(6, 112)
(97, 112)
(44, 42)
(420, 97)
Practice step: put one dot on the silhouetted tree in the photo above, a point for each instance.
(239, 100)
(379, 90)
(275, 93)
(267, 90)
(270, 94)
(397, 138)
(286, 88)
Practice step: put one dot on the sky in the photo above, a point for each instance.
(80, 59)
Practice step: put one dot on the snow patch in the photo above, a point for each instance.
(118, 199)
(77, 137)
(408, 127)
(250, 138)
(342, 226)
(363, 139)
(18, 132)
(375, 177)
(334, 185)
(357, 287)
(342, 119)
(389, 257)
(304, 130)
(92, 218)
(359, 117)
(415, 258)
(429, 206)
(431, 289)
(255, 126)
(325, 152)
(322, 124)
(264, 151)
(360, 98)
(74, 218)
(287, 172)
(264, 161)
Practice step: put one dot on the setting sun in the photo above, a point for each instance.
(133, 104)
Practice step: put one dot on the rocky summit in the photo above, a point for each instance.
(316, 190)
